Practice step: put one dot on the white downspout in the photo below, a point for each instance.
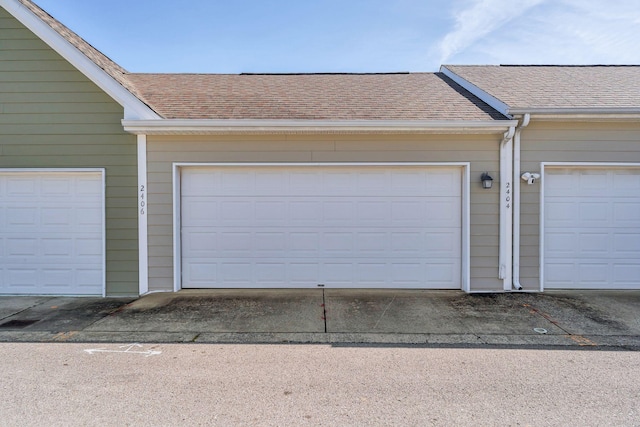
(506, 204)
(516, 202)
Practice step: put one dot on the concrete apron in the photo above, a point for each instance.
(588, 319)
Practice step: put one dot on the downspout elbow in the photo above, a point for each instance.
(508, 135)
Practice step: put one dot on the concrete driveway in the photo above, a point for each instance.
(437, 318)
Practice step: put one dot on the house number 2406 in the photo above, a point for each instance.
(143, 202)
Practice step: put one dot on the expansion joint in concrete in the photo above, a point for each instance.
(324, 311)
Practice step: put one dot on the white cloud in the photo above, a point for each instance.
(558, 32)
(481, 18)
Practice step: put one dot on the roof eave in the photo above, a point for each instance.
(206, 127)
(134, 108)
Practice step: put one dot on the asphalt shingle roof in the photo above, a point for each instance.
(401, 96)
(523, 87)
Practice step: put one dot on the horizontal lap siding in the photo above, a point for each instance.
(480, 150)
(565, 142)
(52, 116)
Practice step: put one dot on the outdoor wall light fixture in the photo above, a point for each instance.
(530, 177)
(487, 181)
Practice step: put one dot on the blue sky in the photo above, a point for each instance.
(234, 36)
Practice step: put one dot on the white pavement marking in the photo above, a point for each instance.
(127, 349)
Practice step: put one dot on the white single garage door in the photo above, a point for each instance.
(592, 228)
(310, 226)
(51, 235)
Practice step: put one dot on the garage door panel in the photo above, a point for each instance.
(594, 244)
(443, 274)
(408, 274)
(595, 214)
(592, 228)
(24, 187)
(304, 243)
(594, 273)
(302, 274)
(623, 181)
(305, 212)
(561, 244)
(627, 213)
(626, 274)
(331, 226)
(627, 245)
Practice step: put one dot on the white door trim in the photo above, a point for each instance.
(464, 191)
(103, 208)
(576, 165)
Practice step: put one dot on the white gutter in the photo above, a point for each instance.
(189, 127)
(577, 111)
(516, 202)
(506, 204)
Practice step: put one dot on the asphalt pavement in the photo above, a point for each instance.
(98, 384)
(568, 319)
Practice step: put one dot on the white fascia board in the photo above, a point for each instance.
(187, 127)
(133, 107)
(489, 99)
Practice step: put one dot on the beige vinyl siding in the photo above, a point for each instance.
(565, 142)
(52, 116)
(482, 151)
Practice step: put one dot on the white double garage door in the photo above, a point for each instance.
(52, 232)
(321, 226)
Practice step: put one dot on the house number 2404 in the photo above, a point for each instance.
(508, 198)
(143, 202)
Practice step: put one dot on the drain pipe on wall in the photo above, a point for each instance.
(516, 202)
(506, 208)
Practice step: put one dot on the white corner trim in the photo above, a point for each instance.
(180, 126)
(103, 200)
(143, 251)
(466, 228)
(134, 108)
(177, 227)
(493, 102)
